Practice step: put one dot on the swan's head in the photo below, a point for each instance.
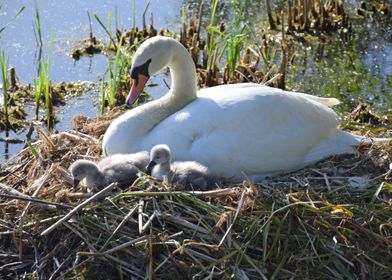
(153, 55)
(160, 154)
(81, 168)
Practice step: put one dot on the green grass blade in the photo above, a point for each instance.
(104, 28)
(13, 18)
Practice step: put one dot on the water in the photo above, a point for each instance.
(360, 67)
(69, 23)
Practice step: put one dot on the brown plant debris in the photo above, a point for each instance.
(330, 220)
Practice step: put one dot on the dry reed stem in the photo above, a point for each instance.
(96, 196)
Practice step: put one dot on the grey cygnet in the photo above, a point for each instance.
(191, 174)
(120, 168)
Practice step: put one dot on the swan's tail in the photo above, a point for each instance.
(340, 143)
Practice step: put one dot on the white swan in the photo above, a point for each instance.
(235, 130)
(190, 174)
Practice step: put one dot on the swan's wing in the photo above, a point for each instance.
(248, 132)
(238, 87)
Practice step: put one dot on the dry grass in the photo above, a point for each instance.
(329, 221)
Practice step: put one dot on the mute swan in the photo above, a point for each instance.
(191, 174)
(235, 130)
(120, 168)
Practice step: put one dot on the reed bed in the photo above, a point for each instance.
(330, 220)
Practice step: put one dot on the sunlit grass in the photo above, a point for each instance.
(237, 35)
(117, 79)
(37, 27)
(108, 30)
(4, 72)
(42, 88)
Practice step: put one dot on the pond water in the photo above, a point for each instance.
(69, 23)
(359, 67)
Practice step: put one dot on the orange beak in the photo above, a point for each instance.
(136, 89)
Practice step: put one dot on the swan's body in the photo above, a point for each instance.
(235, 130)
(190, 174)
(119, 168)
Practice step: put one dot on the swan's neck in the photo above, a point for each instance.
(139, 121)
(183, 73)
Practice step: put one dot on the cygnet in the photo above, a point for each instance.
(191, 174)
(119, 168)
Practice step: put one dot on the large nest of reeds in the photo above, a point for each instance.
(328, 221)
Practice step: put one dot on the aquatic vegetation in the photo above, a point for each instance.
(2, 28)
(12, 111)
(310, 15)
(4, 72)
(43, 89)
(114, 91)
(108, 30)
(235, 41)
(37, 28)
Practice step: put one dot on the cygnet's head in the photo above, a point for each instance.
(160, 154)
(82, 168)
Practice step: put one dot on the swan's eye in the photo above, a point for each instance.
(140, 70)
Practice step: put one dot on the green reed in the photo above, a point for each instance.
(107, 30)
(117, 72)
(42, 88)
(12, 19)
(4, 68)
(235, 39)
(37, 27)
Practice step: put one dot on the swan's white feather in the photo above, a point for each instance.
(258, 131)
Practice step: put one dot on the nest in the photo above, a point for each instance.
(330, 220)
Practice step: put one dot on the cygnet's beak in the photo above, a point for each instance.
(150, 166)
(138, 85)
(76, 182)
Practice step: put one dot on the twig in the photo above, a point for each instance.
(7, 256)
(270, 81)
(37, 185)
(78, 233)
(183, 222)
(79, 207)
(95, 140)
(144, 15)
(140, 217)
(12, 191)
(126, 244)
(28, 198)
(131, 212)
(240, 203)
(145, 226)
